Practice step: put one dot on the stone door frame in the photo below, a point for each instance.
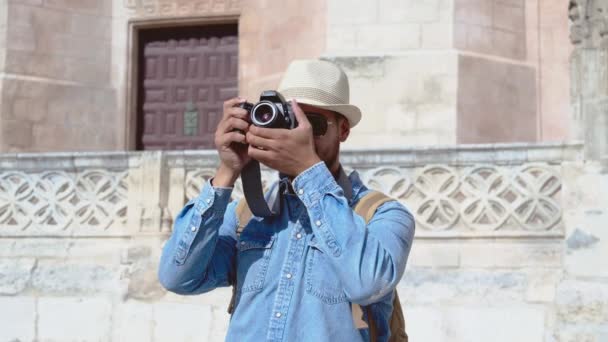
(135, 26)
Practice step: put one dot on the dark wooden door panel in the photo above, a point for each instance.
(185, 76)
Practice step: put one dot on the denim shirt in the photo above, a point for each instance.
(298, 273)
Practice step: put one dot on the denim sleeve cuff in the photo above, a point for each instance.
(315, 181)
(211, 196)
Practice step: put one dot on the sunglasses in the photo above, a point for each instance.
(319, 124)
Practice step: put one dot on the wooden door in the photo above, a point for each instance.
(185, 74)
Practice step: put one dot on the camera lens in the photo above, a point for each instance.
(263, 114)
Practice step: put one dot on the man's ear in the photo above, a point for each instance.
(344, 129)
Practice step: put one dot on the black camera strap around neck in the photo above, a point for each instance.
(251, 177)
(254, 193)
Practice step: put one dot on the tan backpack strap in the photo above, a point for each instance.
(397, 322)
(367, 206)
(243, 216)
(373, 329)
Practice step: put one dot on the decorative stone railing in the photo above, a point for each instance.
(473, 191)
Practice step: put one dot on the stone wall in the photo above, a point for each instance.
(424, 72)
(509, 246)
(55, 83)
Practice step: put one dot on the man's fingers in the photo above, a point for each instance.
(269, 133)
(300, 116)
(228, 138)
(260, 155)
(232, 102)
(235, 123)
(237, 113)
(257, 141)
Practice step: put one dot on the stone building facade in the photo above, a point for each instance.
(104, 75)
(511, 239)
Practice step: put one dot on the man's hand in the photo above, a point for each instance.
(287, 151)
(230, 143)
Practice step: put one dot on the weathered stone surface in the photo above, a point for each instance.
(18, 317)
(74, 319)
(181, 322)
(580, 239)
(15, 275)
(421, 285)
(75, 278)
(132, 321)
(542, 285)
(474, 323)
(583, 302)
(514, 255)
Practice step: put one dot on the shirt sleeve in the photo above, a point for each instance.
(199, 255)
(369, 259)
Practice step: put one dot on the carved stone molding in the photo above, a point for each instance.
(475, 199)
(58, 202)
(589, 22)
(168, 8)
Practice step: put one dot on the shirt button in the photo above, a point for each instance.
(208, 200)
(318, 223)
(278, 315)
(301, 191)
(288, 275)
(193, 228)
(242, 243)
(298, 236)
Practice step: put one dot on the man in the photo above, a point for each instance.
(297, 274)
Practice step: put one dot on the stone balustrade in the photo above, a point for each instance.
(477, 191)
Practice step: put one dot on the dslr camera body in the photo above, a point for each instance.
(272, 111)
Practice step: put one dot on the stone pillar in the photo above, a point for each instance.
(453, 71)
(589, 34)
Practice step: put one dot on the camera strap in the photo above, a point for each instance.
(254, 193)
(251, 177)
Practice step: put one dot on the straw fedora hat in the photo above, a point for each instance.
(321, 84)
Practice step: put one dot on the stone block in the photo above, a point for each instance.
(15, 274)
(18, 317)
(17, 133)
(394, 89)
(388, 37)
(20, 38)
(29, 109)
(474, 12)
(71, 278)
(340, 38)
(41, 248)
(99, 8)
(582, 302)
(542, 284)
(423, 323)
(181, 322)
(434, 255)
(496, 102)
(48, 20)
(461, 286)
(509, 17)
(409, 11)
(497, 324)
(133, 321)
(436, 36)
(511, 255)
(74, 319)
(346, 12)
(509, 44)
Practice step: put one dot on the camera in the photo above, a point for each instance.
(272, 111)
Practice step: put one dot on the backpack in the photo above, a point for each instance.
(366, 207)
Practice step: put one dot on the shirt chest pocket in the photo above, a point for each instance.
(252, 262)
(321, 279)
